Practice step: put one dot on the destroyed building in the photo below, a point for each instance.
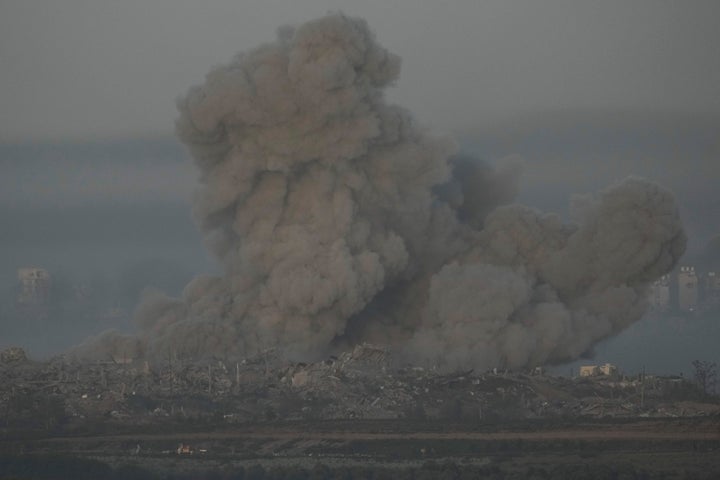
(607, 370)
(589, 370)
(13, 355)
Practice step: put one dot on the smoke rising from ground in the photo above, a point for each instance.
(338, 220)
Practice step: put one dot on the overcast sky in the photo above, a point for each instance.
(99, 68)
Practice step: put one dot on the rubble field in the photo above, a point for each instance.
(345, 410)
(62, 395)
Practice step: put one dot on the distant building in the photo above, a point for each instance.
(34, 286)
(660, 294)
(594, 370)
(711, 289)
(184, 449)
(687, 289)
(608, 369)
(589, 371)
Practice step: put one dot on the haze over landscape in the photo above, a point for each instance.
(95, 189)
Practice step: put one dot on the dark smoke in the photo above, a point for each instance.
(338, 220)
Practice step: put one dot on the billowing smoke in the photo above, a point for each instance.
(338, 220)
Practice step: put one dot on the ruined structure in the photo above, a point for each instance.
(660, 294)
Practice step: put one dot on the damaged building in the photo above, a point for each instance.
(607, 370)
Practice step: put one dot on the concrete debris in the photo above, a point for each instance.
(359, 384)
(13, 355)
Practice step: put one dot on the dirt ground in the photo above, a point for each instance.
(671, 448)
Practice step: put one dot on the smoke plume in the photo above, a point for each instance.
(338, 220)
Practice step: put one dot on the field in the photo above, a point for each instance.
(667, 448)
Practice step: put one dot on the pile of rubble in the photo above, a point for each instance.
(359, 384)
(13, 355)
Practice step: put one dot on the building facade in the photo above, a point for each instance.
(34, 286)
(687, 289)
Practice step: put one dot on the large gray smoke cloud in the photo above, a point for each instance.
(338, 221)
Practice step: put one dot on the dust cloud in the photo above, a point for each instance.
(338, 220)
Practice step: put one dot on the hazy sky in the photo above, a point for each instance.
(88, 68)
